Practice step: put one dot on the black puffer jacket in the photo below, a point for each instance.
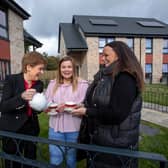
(113, 108)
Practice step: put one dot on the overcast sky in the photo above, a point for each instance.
(47, 14)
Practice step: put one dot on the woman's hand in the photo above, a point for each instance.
(28, 94)
(60, 107)
(79, 111)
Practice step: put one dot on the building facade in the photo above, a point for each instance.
(14, 40)
(85, 37)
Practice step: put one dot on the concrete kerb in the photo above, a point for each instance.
(155, 117)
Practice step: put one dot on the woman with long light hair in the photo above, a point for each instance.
(67, 87)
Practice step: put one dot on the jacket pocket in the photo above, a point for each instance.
(105, 135)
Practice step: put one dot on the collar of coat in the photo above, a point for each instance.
(105, 71)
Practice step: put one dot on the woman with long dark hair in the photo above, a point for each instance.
(113, 105)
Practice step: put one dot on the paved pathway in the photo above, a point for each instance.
(147, 130)
(157, 117)
(156, 107)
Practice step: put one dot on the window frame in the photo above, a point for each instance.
(165, 47)
(151, 69)
(4, 27)
(131, 47)
(163, 68)
(149, 49)
(106, 40)
(4, 69)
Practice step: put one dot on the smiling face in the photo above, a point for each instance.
(109, 56)
(33, 72)
(66, 70)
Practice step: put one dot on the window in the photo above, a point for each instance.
(77, 70)
(4, 69)
(150, 24)
(164, 77)
(165, 68)
(3, 24)
(149, 46)
(3, 32)
(103, 42)
(165, 46)
(148, 73)
(130, 43)
(2, 18)
(110, 40)
(148, 68)
(103, 22)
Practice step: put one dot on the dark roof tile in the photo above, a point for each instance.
(72, 37)
(125, 26)
(31, 40)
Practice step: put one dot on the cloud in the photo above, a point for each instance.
(50, 45)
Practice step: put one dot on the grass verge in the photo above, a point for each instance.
(157, 143)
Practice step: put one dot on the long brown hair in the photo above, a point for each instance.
(127, 61)
(59, 78)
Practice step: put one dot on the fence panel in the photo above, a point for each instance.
(156, 98)
(91, 150)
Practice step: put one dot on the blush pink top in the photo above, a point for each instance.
(65, 122)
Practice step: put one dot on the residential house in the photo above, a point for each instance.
(14, 40)
(85, 37)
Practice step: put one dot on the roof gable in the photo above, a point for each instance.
(16, 8)
(72, 37)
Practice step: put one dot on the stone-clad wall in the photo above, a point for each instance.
(121, 39)
(142, 54)
(92, 56)
(157, 60)
(62, 46)
(137, 48)
(16, 38)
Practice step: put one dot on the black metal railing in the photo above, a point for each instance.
(156, 98)
(42, 162)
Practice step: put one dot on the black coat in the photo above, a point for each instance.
(113, 109)
(13, 109)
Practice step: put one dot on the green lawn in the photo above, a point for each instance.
(43, 118)
(156, 144)
(157, 86)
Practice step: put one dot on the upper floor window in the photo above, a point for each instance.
(110, 40)
(103, 41)
(3, 24)
(149, 46)
(130, 43)
(165, 46)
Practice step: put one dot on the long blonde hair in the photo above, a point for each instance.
(59, 78)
